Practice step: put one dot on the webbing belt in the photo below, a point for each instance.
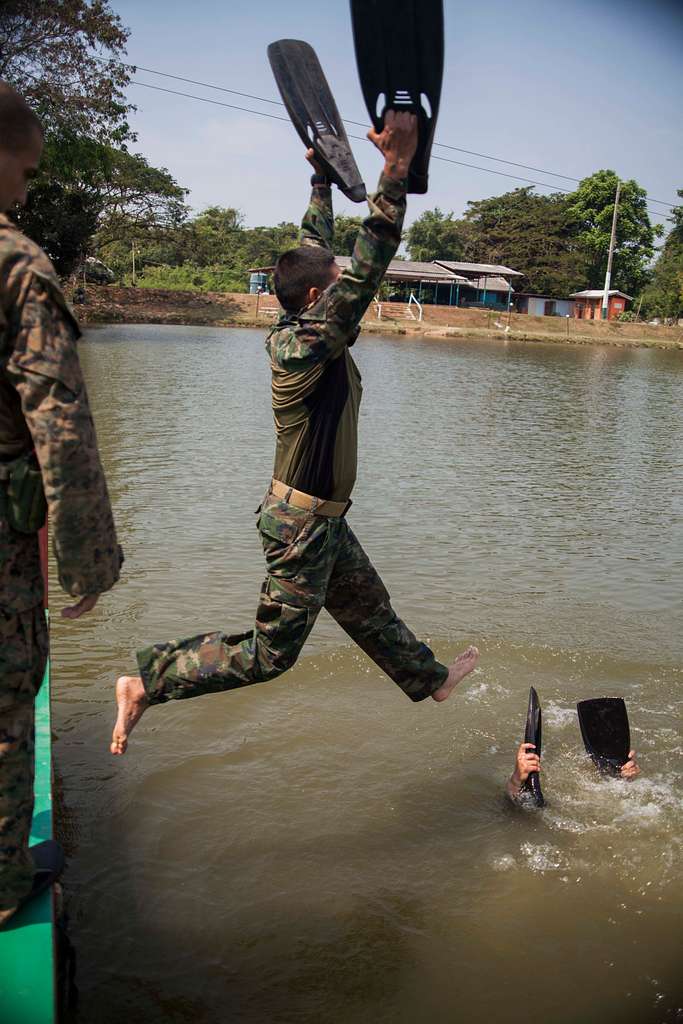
(299, 499)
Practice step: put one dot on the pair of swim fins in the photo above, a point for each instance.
(604, 729)
(399, 52)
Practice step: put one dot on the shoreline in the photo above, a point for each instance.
(108, 305)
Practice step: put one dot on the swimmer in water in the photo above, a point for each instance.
(527, 762)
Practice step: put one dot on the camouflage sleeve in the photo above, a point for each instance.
(333, 322)
(317, 227)
(45, 371)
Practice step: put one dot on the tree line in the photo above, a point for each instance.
(95, 196)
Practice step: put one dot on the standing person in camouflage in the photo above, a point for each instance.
(48, 450)
(313, 559)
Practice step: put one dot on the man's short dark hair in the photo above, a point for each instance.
(298, 270)
(17, 120)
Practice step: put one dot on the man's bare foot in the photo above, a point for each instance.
(132, 701)
(461, 667)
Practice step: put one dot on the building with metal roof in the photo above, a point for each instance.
(588, 304)
(441, 282)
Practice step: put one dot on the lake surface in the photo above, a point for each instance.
(319, 849)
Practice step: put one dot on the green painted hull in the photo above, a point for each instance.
(27, 943)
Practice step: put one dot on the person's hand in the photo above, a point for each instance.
(526, 763)
(313, 161)
(85, 605)
(397, 142)
(630, 770)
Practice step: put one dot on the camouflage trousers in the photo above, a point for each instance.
(23, 653)
(312, 562)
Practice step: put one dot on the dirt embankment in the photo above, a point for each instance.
(110, 304)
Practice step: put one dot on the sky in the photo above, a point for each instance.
(570, 87)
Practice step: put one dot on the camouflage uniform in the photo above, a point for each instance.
(43, 406)
(312, 560)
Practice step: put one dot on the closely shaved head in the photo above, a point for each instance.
(18, 124)
(21, 145)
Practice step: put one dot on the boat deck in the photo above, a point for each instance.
(27, 943)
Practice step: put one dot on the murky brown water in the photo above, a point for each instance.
(318, 849)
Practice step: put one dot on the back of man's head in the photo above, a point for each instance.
(18, 123)
(298, 270)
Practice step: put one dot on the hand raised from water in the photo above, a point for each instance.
(526, 762)
(630, 770)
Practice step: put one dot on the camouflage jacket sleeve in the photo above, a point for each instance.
(45, 371)
(322, 331)
(317, 227)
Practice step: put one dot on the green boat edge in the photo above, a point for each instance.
(28, 993)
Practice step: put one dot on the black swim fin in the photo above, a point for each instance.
(532, 734)
(605, 731)
(311, 107)
(400, 54)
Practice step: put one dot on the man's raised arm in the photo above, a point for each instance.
(379, 235)
(317, 227)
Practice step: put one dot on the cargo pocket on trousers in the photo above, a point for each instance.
(282, 629)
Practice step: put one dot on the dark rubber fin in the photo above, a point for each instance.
(400, 53)
(605, 731)
(532, 734)
(311, 107)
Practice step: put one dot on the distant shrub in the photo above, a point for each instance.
(190, 278)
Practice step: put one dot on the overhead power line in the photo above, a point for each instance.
(359, 138)
(360, 124)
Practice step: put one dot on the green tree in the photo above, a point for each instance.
(663, 297)
(213, 236)
(592, 206)
(345, 231)
(530, 233)
(437, 236)
(86, 189)
(63, 56)
(48, 52)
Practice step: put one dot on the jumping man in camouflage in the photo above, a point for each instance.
(48, 450)
(313, 559)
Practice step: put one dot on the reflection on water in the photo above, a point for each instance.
(318, 849)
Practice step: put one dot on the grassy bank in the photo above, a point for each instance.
(108, 304)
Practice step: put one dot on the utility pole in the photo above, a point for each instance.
(608, 275)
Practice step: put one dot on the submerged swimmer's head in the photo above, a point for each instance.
(301, 275)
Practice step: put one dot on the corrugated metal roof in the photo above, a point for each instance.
(436, 272)
(597, 293)
(478, 268)
(489, 284)
(412, 270)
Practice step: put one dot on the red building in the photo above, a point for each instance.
(588, 304)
